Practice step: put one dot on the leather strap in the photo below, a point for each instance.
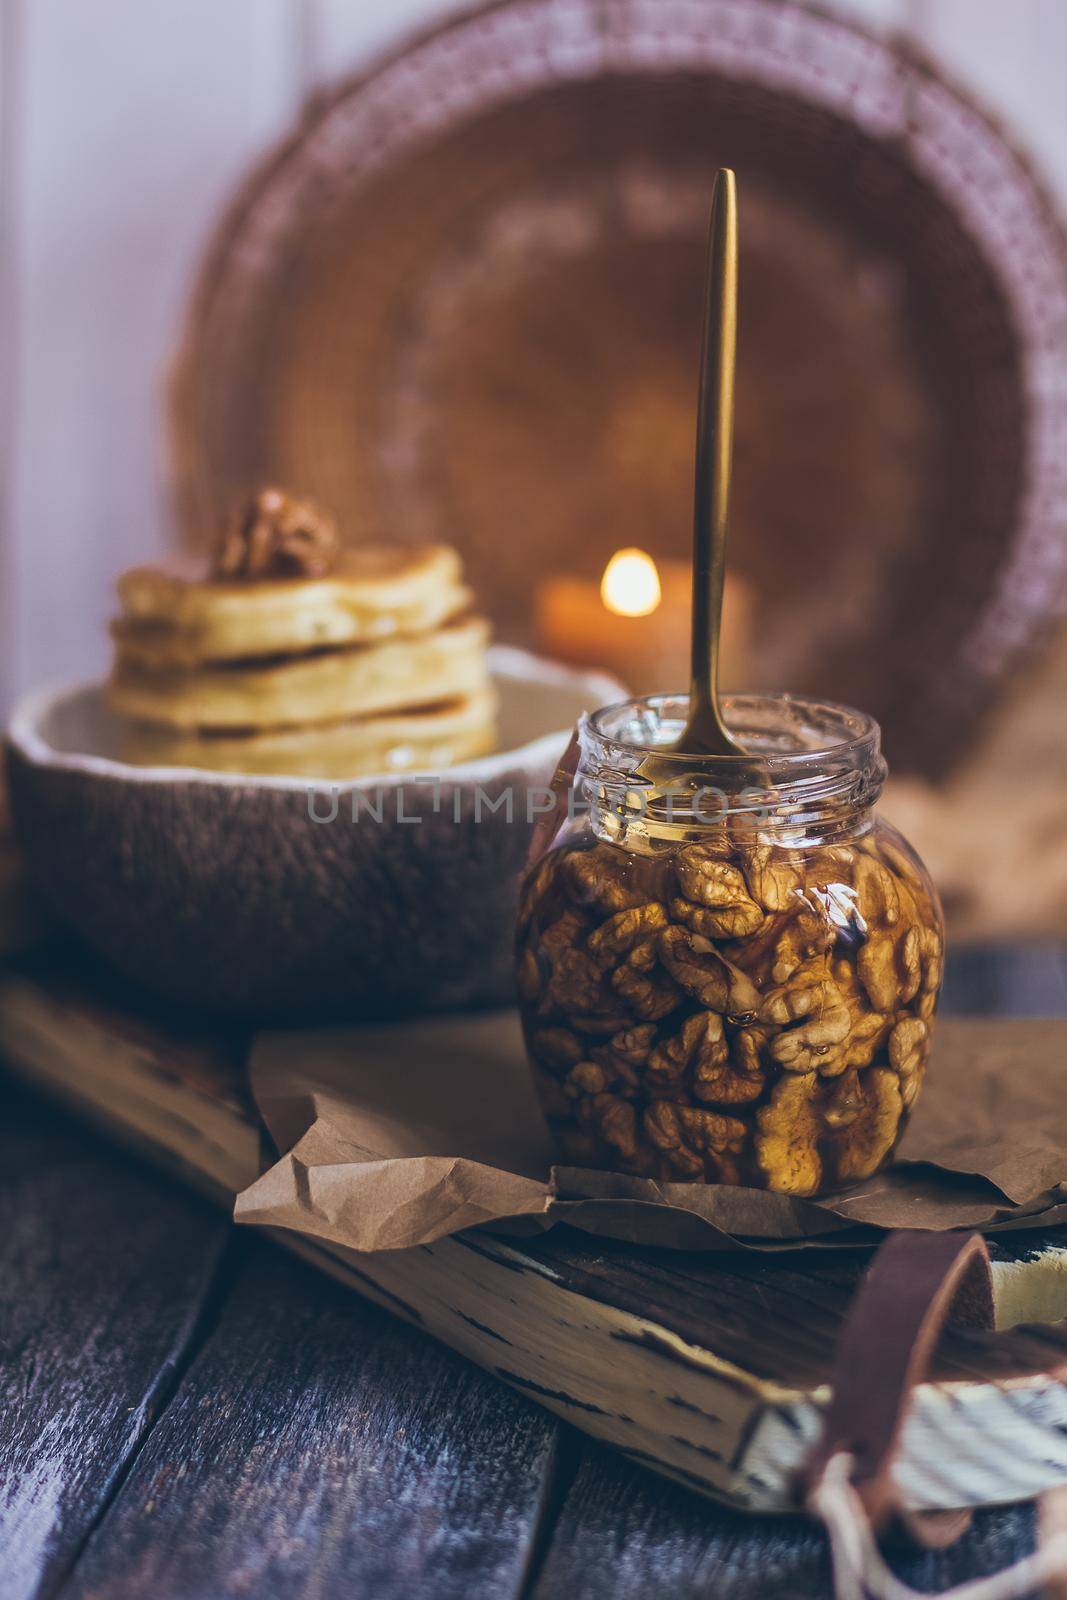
(915, 1283)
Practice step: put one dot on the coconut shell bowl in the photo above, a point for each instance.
(261, 897)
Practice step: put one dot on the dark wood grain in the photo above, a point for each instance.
(737, 1304)
(317, 1447)
(1006, 981)
(192, 1432)
(105, 1273)
(626, 1535)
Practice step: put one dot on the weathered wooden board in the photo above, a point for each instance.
(312, 1434)
(622, 1533)
(992, 1427)
(713, 1370)
(180, 1090)
(107, 1275)
(604, 1528)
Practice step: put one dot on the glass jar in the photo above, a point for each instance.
(728, 967)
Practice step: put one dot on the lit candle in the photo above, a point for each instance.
(635, 623)
(631, 584)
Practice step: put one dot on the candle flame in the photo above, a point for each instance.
(630, 586)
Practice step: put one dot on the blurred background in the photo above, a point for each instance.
(456, 295)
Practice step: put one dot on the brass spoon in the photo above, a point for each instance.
(705, 733)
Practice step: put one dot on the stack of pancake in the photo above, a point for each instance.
(302, 658)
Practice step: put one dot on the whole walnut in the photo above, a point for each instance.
(278, 536)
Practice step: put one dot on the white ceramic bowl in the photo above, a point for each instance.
(262, 897)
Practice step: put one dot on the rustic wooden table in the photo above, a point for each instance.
(188, 1412)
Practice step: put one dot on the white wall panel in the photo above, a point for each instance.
(344, 34)
(134, 122)
(1013, 55)
(10, 106)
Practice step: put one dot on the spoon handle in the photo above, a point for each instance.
(714, 453)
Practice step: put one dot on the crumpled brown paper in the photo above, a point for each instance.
(397, 1135)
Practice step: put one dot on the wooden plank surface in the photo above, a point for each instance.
(243, 1476)
(106, 1271)
(315, 1447)
(313, 1435)
(674, 1358)
(1004, 980)
(625, 1535)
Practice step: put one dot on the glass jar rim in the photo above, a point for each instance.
(805, 759)
(859, 735)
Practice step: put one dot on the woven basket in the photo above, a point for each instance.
(462, 302)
